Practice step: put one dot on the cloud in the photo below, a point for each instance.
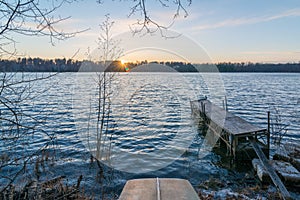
(270, 52)
(253, 20)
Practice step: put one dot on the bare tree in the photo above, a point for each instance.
(37, 18)
(279, 127)
(19, 126)
(146, 24)
(30, 18)
(108, 53)
(100, 129)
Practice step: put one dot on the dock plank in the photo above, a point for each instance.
(230, 123)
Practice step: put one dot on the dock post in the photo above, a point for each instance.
(202, 112)
(231, 144)
(268, 135)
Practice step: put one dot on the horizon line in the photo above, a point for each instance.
(155, 61)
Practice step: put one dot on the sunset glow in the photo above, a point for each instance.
(230, 31)
(123, 62)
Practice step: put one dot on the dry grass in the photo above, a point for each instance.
(51, 189)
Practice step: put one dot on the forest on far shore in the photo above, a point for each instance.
(69, 65)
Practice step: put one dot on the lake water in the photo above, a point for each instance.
(150, 126)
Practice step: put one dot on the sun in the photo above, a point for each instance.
(123, 62)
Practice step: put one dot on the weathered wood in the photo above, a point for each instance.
(236, 128)
(229, 122)
(228, 127)
(270, 170)
(261, 171)
(163, 188)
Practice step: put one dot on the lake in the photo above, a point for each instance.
(150, 131)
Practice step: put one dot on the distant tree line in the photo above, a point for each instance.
(259, 67)
(70, 65)
(39, 65)
(236, 67)
(60, 65)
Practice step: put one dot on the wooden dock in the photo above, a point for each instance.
(237, 134)
(232, 130)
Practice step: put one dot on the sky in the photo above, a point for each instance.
(225, 30)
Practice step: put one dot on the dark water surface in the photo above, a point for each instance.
(152, 132)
